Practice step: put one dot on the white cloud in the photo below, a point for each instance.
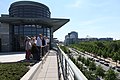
(89, 22)
(99, 20)
(99, 4)
(76, 4)
(28, 0)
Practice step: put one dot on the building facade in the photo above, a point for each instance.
(71, 38)
(26, 18)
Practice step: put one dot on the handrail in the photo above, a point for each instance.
(78, 75)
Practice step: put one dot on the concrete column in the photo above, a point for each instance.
(51, 38)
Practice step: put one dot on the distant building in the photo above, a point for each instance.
(71, 38)
(105, 39)
(95, 39)
(88, 39)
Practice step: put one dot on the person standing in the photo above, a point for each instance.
(34, 49)
(34, 52)
(43, 46)
(28, 48)
(33, 40)
(39, 46)
(47, 43)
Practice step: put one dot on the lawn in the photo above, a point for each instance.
(13, 71)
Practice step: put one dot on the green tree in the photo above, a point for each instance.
(100, 48)
(99, 52)
(111, 54)
(100, 44)
(105, 55)
(100, 71)
(114, 46)
(82, 59)
(87, 62)
(110, 75)
(115, 57)
(79, 58)
(81, 67)
(92, 66)
(90, 75)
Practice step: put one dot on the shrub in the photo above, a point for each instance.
(13, 71)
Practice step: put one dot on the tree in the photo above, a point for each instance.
(114, 46)
(81, 67)
(82, 59)
(99, 52)
(87, 62)
(100, 71)
(110, 75)
(115, 57)
(119, 55)
(105, 55)
(100, 44)
(89, 75)
(92, 66)
(111, 54)
(79, 58)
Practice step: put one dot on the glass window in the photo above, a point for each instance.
(38, 26)
(27, 29)
(33, 33)
(48, 29)
(40, 30)
(16, 30)
(21, 32)
(33, 29)
(45, 30)
(27, 32)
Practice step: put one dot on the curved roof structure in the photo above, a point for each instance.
(27, 3)
(55, 23)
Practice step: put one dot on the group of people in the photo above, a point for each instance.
(36, 46)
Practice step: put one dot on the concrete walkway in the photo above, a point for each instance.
(49, 70)
(12, 57)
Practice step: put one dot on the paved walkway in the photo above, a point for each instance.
(49, 70)
(12, 57)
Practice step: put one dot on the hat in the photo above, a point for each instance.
(28, 38)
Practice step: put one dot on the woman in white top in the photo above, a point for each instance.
(28, 46)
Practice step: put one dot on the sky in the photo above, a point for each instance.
(95, 18)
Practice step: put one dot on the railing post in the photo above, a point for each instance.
(62, 60)
(66, 76)
(75, 77)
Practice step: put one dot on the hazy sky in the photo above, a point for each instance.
(96, 18)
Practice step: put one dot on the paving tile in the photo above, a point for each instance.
(51, 78)
(52, 75)
(41, 79)
(42, 75)
(49, 71)
(52, 70)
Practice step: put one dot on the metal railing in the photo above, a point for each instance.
(69, 69)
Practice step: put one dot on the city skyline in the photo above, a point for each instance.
(87, 17)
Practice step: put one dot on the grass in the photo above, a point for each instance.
(13, 71)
